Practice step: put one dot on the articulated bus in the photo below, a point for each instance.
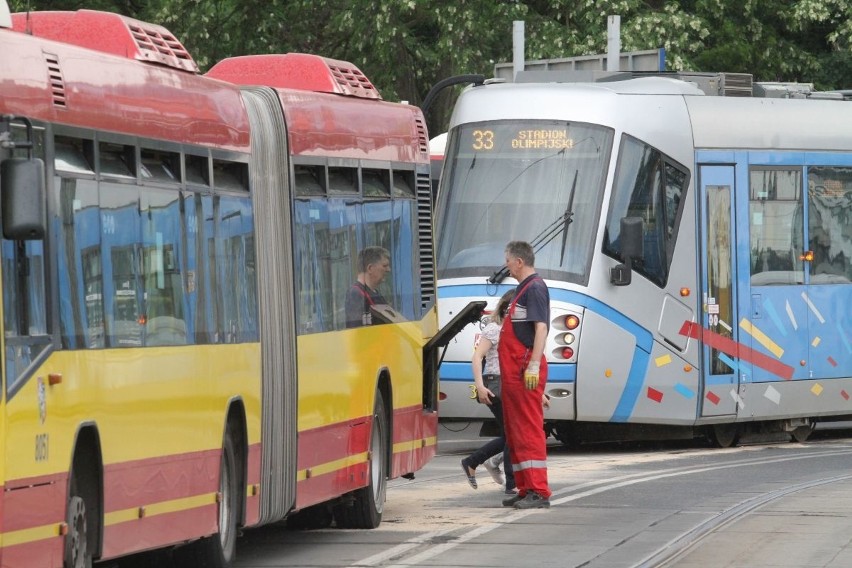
(176, 253)
(697, 246)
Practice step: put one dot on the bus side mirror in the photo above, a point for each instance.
(22, 198)
(631, 237)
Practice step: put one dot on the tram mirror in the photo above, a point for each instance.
(630, 237)
(22, 198)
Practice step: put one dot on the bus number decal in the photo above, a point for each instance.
(42, 444)
(483, 140)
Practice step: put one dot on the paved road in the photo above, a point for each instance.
(626, 506)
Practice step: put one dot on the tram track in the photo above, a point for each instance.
(677, 548)
(418, 550)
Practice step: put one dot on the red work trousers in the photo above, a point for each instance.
(523, 414)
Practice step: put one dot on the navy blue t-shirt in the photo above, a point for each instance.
(532, 306)
(359, 298)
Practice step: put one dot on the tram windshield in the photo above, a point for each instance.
(510, 180)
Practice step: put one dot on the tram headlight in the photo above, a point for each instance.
(566, 338)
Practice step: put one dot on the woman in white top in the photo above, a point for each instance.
(486, 377)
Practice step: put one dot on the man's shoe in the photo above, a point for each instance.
(532, 501)
(512, 501)
(511, 491)
(495, 472)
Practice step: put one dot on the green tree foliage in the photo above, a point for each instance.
(406, 46)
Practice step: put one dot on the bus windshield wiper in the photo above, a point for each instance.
(547, 234)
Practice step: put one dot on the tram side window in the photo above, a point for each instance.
(830, 224)
(775, 225)
(24, 290)
(648, 185)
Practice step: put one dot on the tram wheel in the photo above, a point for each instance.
(565, 433)
(802, 433)
(364, 510)
(724, 435)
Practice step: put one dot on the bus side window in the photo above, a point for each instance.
(24, 306)
(24, 291)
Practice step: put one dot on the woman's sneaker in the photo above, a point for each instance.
(494, 470)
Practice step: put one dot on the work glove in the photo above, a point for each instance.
(531, 375)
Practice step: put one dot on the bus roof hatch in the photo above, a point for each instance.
(296, 71)
(108, 33)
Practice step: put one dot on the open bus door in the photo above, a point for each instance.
(721, 371)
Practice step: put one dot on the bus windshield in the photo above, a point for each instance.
(510, 180)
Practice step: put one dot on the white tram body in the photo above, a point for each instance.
(735, 317)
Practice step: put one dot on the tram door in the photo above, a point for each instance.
(721, 373)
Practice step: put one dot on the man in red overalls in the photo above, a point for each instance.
(523, 370)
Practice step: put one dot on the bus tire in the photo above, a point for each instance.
(77, 553)
(364, 509)
(219, 550)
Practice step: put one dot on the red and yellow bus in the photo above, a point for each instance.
(176, 252)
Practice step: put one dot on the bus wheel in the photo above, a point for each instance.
(219, 550)
(724, 435)
(802, 433)
(77, 553)
(364, 510)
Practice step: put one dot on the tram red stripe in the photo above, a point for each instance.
(735, 349)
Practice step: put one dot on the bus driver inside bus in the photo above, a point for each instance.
(373, 267)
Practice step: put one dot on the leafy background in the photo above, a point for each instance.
(406, 46)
